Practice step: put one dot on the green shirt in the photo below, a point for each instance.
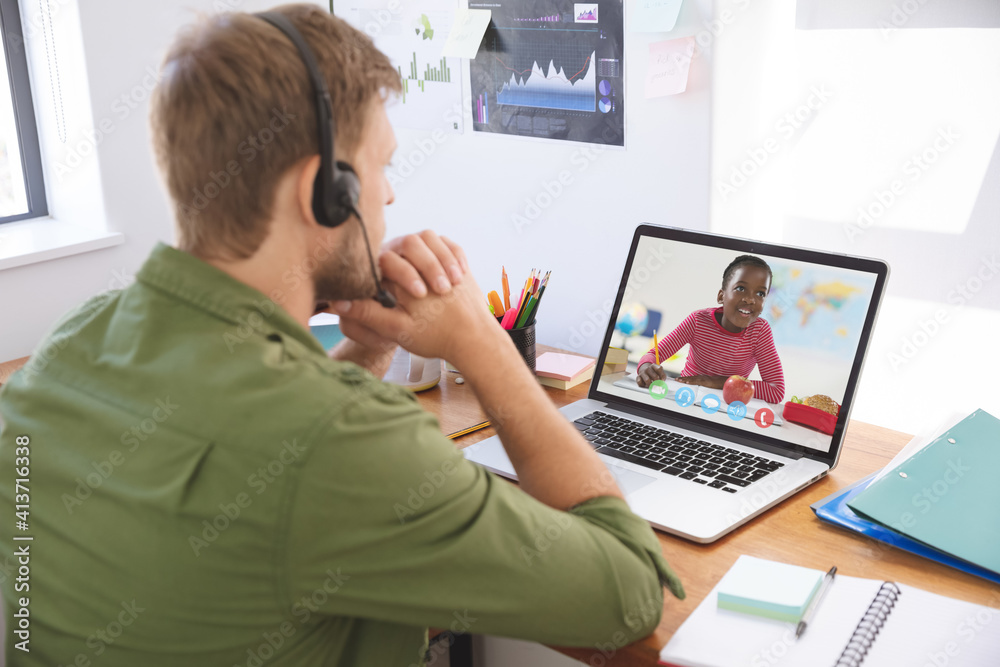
(208, 487)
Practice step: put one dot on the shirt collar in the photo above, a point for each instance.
(199, 283)
(722, 328)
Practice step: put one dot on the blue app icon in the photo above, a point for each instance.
(737, 410)
(684, 396)
(711, 404)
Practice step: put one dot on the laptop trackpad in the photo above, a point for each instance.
(629, 481)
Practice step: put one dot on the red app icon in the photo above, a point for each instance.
(764, 417)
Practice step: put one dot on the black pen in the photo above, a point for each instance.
(811, 609)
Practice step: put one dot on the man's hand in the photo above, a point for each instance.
(456, 326)
(419, 263)
(648, 373)
(423, 262)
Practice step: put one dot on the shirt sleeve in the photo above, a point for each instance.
(669, 345)
(420, 536)
(771, 386)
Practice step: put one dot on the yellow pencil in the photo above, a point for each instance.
(656, 346)
(470, 429)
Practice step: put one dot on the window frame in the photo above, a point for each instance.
(24, 112)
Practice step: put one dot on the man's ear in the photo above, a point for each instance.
(304, 189)
(719, 298)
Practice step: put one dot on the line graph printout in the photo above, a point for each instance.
(413, 35)
(551, 70)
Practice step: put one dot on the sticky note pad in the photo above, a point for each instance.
(768, 589)
(655, 15)
(328, 335)
(669, 64)
(467, 32)
(561, 366)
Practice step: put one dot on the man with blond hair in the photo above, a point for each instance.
(209, 487)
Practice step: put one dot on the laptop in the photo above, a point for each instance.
(795, 323)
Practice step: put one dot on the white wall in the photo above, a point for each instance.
(582, 237)
(943, 295)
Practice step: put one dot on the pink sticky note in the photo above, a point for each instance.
(669, 63)
(561, 366)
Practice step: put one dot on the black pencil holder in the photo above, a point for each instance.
(524, 341)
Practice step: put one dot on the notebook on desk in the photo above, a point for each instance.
(859, 623)
(687, 461)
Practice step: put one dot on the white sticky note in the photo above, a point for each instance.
(467, 32)
(655, 15)
(669, 64)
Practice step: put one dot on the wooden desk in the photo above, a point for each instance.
(789, 533)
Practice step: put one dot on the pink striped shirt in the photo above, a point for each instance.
(715, 351)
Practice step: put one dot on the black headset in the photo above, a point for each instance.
(337, 188)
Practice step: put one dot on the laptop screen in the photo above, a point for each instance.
(753, 339)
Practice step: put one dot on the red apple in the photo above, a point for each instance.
(737, 388)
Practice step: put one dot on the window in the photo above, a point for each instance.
(862, 121)
(22, 190)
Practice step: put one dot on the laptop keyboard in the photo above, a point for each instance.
(682, 456)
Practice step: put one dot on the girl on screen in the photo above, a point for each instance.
(728, 340)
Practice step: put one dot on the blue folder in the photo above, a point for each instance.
(833, 509)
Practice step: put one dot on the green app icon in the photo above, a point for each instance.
(658, 389)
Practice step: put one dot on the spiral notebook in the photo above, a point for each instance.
(860, 623)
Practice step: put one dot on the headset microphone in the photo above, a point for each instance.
(383, 296)
(337, 188)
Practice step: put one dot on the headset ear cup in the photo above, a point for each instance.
(347, 185)
(320, 201)
(334, 200)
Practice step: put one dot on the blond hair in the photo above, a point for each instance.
(235, 109)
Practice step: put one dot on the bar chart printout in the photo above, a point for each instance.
(413, 34)
(551, 70)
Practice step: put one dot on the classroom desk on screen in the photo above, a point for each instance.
(788, 532)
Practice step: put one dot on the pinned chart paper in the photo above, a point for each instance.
(551, 71)
(467, 33)
(413, 35)
(655, 15)
(669, 64)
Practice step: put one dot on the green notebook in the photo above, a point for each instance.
(946, 495)
(769, 589)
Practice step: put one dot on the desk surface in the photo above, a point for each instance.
(788, 532)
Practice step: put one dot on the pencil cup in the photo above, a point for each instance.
(524, 341)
